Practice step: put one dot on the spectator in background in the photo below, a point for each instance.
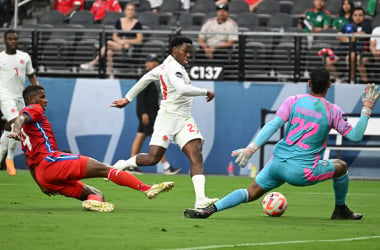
(315, 19)
(359, 46)
(374, 47)
(67, 7)
(155, 5)
(253, 4)
(120, 43)
(101, 7)
(148, 103)
(216, 44)
(6, 13)
(344, 16)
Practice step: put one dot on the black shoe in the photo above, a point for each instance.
(342, 212)
(196, 213)
(133, 170)
(171, 171)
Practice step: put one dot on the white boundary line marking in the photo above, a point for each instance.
(277, 243)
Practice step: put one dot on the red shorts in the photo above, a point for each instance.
(62, 172)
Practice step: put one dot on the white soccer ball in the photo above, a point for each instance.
(274, 204)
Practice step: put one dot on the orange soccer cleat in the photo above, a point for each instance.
(10, 167)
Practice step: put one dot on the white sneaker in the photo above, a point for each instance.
(156, 189)
(87, 66)
(97, 206)
(205, 203)
(171, 171)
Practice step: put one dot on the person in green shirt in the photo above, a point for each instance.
(345, 13)
(315, 19)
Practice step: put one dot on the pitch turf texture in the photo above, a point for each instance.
(32, 220)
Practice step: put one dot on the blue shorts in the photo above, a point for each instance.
(278, 171)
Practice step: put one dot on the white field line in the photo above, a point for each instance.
(276, 243)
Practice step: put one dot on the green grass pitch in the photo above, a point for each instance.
(31, 220)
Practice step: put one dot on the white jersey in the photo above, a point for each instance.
(13, 69)
(176, 90)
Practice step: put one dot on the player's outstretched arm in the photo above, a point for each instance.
(244, 154)
(19, 122)
(121, 103)
(369, 99)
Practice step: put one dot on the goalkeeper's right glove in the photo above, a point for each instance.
(369, 99)
(243, 154)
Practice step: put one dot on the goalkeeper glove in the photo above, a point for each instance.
(243, 154)
(369, 99)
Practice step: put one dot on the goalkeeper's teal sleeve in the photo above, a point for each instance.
(268, 130)
(357, 132)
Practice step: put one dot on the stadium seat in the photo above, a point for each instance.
(198, 18)
(286, 6)
(51, 17)
(143, 5)
(149, 19)
(238, 7)
(82, 17)
(111, 17)
(247, 20)
(268, 7)
(280, 20)
(184, 20)
(256, 59)
(170, 6)
(300, 6)
(203, 6)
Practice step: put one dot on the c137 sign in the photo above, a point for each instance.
(201, 72)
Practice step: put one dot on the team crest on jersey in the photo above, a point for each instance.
(325, 163)
(178, 74)
(22, 61)
(165, 138)
(13, 110)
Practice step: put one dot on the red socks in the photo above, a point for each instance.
(126, 179)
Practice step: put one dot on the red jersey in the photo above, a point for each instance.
(38, 140)
(100, 8)
(64, 6)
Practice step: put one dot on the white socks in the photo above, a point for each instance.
(199, 187)
(165, 165)
(4, 144)
(131, 162)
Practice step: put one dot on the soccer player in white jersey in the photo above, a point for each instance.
(174, 121)
(14, 66)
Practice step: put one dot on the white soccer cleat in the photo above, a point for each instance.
(156, 189)
(98, 206)
(120, 165)
(205, 203)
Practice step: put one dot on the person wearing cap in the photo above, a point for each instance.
(216, 44)
(146, 109)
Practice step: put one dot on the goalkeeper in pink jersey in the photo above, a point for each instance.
(297, 158)
(57, 172)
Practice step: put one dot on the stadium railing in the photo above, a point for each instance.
(257, 56)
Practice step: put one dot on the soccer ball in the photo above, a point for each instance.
(274, 204)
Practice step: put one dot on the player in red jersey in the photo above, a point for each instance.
(57, 172)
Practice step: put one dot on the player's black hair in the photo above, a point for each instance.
(10, 31)
(30, 91)
(178, 41)
(320, 79)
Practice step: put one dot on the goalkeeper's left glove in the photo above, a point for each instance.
(243, 154)
(369, 99)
